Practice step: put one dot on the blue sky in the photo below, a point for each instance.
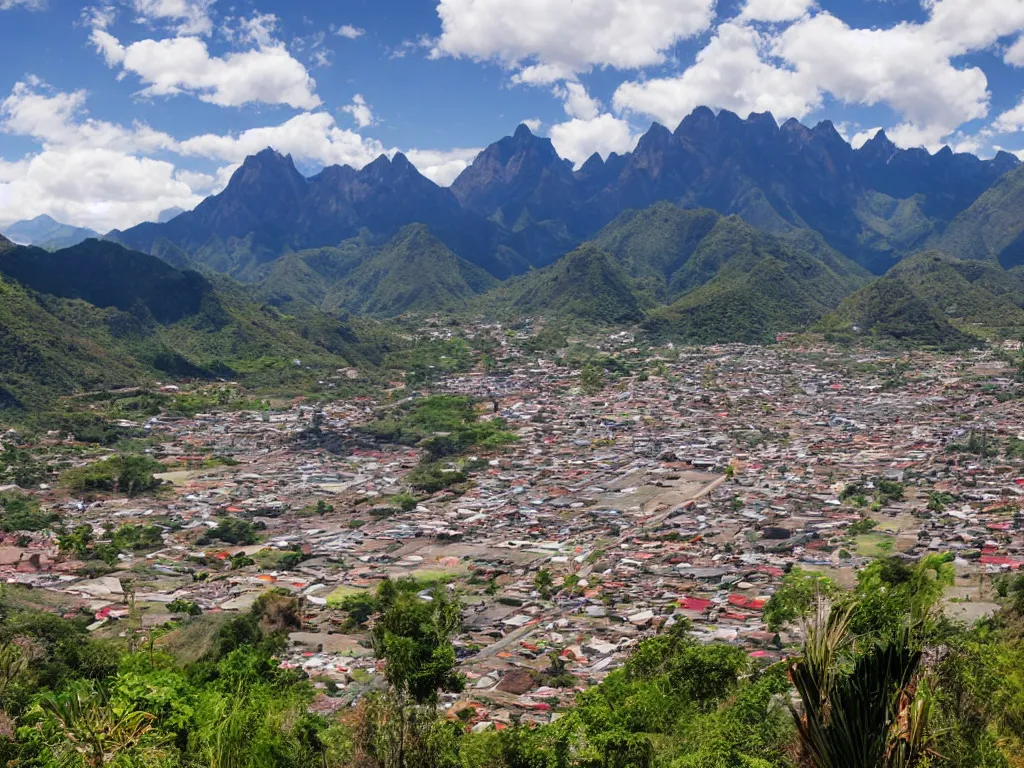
(110, 113)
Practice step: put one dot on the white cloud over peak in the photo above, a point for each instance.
(789, 69)
(578, 139)
(548, 41)
(442, 166)
(265, 74)
(775, 10)
(863, 137)
(729, 73)
(360, 111)
(99, 174)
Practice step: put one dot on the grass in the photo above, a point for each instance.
(875, 545)
(340, 593)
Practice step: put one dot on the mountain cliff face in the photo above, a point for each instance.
(875, 204)
(519, 205)
(269, 209)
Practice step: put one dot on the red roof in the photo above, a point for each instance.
(698, 604)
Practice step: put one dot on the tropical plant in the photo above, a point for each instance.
(861, 707)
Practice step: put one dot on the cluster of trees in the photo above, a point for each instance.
(130, 475)
(881, 681)
(445, 427)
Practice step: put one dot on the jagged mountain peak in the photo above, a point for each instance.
(879, 146)
(523, 133)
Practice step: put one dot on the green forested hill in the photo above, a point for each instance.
(936, 300)
(585, 285)
(98, 315)
(993, 227)
(412, 272)
(722, 279)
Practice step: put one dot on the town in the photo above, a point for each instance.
(662, 485)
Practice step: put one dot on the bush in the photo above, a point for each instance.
(130, 475)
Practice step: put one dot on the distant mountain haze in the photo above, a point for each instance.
(520, 206)
(47, 233)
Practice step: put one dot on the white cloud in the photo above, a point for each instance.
(442, 167)
(352, 33)
(95, 173)
(1014, 55)
(775, 10)
(910, 67)
(31, 5)
(577, 102)
(191, 16)
(548, 41)
(578, 139)
(728, 73)
(863, 137)
(1010, 121)
(98, 188)
(533, 124)
(311, 136)
(266, 74)
(59, 119)
(360, 111)
(907, 67)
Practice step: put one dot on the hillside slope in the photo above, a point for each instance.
(413, 272)
(97, 315)
(992, 228)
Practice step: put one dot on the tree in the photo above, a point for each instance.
(412, 635)
(797, 597)
(591, 379)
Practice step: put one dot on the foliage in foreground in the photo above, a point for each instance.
(881, 682)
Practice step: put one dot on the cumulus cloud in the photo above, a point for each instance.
(912, 68)
(1010, 121)
(1014, 55)
(360, 111)
(191, 17)
(729, 73)
(775, 10)
(95, 173)
(98, 188)
(533, 124)
(59, 119)
(266, 74)
(907, 67)
(578, 139)
(577, 102)
(442, 166)
(546, 42)
(350, 32)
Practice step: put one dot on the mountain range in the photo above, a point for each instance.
(520, 206)
(725, 230)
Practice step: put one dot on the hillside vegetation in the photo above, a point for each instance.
(99, 316)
